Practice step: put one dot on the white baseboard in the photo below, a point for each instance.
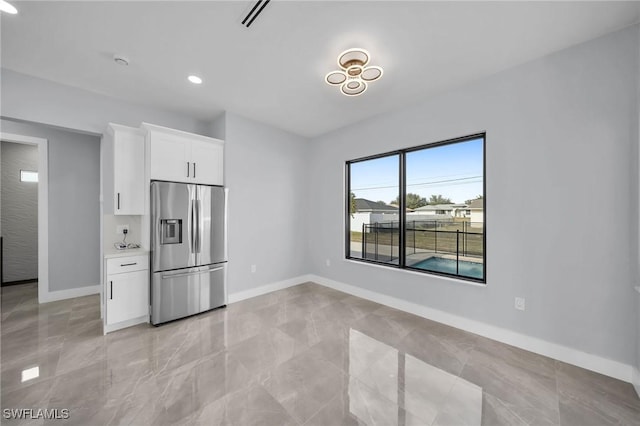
(268, 288)
(108, 328)
(562, 353)
(636, 381)
(53, 296)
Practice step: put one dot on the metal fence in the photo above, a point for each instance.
(380, 241)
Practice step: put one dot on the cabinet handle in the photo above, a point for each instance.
(188, 166)
(111, 297)
(128, 264)
(194, 170)
(118, 201)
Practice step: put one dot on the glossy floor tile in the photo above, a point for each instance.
(306, 355)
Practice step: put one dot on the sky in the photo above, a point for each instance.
(453, 171)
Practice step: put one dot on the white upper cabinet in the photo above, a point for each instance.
(123, 165)
(170, 157)
(207, 158)
(178, 156)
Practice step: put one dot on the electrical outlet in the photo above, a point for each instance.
(120, 229)
(254, 268)
(328, 262)
(519, 303)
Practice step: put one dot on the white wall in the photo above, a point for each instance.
(360, 218)
(110, 223)
(636, 375)
(265, 170)
(19, 213)
(560, 131)
(41, 101)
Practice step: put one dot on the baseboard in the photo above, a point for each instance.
(636, 381)
(268, 288)
(562, 353)
(71, 293)
(108, 328)
(19, 282)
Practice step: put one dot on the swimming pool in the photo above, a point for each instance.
(440, 264)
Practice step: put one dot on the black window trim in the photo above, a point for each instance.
(401, 153)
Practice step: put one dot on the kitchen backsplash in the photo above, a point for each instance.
(110, 224)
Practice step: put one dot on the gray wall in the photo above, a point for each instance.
(74, 188)
(560, 137)
(19, 212)
(637, 281)
(561, 131)
(265, 171)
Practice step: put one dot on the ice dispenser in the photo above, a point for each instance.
(171, 231)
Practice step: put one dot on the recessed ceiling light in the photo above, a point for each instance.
(195, 79)
(7, 7)
(354, 74)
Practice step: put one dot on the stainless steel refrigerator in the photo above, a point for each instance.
(188, 249)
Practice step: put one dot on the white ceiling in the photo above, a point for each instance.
(273, 72)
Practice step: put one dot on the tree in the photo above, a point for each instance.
(479, 197)
(413, 201)
(439, 199)
(353, 208)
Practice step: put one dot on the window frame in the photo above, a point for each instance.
(401, 153)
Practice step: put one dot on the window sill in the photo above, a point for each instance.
(421, 274)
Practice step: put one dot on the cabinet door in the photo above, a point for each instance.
(208, 158)
(127, 296)
(128, 174)
(170, 158)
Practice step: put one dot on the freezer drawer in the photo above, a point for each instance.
(184, 292)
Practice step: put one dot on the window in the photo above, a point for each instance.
(374, 219)
(420, 208)
(28, 176)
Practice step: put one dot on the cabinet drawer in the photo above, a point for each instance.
(119, 265)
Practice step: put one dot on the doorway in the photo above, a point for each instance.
(23, 211)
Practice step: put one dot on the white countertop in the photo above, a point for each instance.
(113, 252)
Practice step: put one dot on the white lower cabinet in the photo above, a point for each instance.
(126, 292)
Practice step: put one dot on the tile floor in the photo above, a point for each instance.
(307, 355)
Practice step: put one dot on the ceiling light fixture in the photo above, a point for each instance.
(354, 73)
(7, 7)
(195, 79)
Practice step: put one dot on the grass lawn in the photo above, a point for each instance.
(470, 244)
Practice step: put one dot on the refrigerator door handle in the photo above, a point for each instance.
(199, 230)
(192, 226)
(226, 200)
